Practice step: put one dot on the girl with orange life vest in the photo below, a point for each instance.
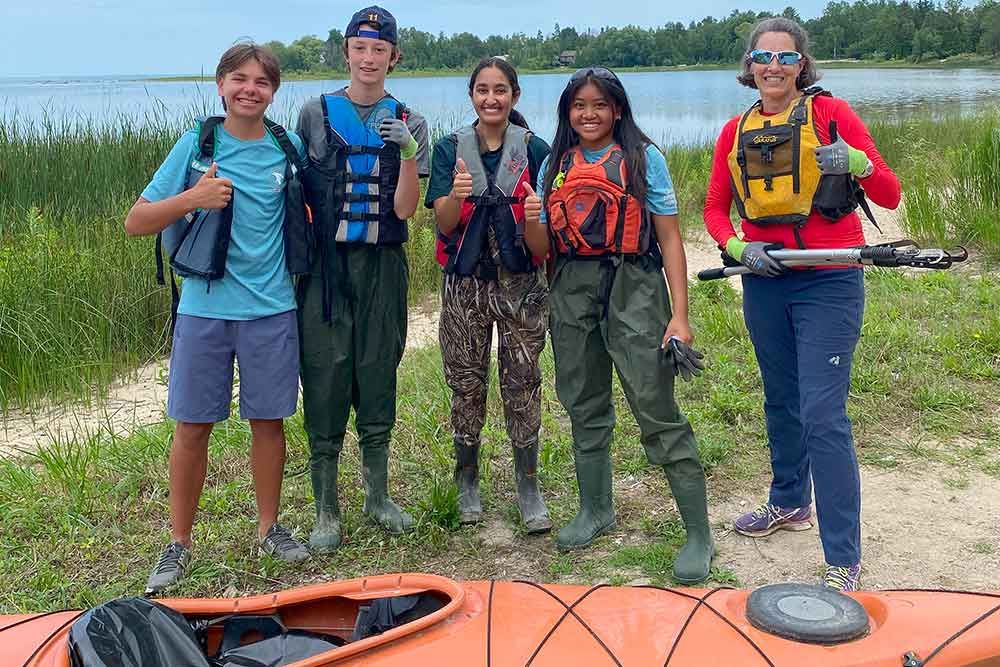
(612, 214)
(491, 247)
(792, 164)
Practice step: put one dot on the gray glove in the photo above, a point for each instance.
(687, 361)
(755, 258)
(394, 130)
(834, 158)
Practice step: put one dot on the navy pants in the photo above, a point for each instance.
(804, 327)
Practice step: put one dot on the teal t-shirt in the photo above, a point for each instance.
(256, 283)
(660, 196)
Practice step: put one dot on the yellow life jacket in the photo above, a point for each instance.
(772, 167)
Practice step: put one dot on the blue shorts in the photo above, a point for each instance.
(201, 368)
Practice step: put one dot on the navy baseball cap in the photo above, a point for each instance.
(383, 21)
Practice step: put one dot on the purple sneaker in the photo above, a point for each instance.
(768, 518)
(843, 579)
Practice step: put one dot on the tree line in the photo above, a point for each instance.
(867, 29)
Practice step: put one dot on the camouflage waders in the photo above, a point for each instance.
(469, 308)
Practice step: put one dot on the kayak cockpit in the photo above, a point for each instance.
(316, 625)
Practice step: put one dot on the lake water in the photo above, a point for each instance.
(672, 107)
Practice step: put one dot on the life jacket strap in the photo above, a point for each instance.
(354, 197)
(351, 177)
(494, 200)
(356, 216)
(361, 150)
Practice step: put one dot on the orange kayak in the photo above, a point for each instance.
(507, 623)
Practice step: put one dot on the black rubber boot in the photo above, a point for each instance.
(597, 514)
(529, 499)
(470, 508)
(326, 534)
(687, 483)
(378, 506)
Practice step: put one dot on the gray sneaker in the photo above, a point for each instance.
(280, 544)
(170, 568)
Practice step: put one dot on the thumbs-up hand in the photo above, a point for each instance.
(461, 186)
(532, 205)
(211, 191)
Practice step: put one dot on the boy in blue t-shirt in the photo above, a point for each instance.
(247, 314)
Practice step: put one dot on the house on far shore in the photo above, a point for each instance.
(565, 59)
(505, 56)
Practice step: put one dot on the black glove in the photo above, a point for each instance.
(687, 361)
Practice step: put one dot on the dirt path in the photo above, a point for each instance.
(919, 529)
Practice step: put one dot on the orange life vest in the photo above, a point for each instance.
(591, 212)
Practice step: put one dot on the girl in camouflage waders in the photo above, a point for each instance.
(612, 214)
(491, 245)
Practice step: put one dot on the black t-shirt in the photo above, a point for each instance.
(443, 165)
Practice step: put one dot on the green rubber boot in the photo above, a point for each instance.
(529, 499)
(378, 506)
(597, 513)
(470, 508)
(326, 535)
(687, 483)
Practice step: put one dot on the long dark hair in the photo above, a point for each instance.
(511, 75)
(626, 133)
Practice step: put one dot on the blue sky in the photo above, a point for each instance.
(81, 37)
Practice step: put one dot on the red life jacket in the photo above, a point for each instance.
(592, 213)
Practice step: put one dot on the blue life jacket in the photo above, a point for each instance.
(352, 190)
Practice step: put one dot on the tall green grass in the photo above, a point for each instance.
(950, 172)
(78, 303)
(78, 300)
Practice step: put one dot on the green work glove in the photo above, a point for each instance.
(841, 158)
(753, 255)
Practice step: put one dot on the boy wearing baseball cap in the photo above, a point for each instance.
(366, 151)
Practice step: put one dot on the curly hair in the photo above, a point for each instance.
(807, 77)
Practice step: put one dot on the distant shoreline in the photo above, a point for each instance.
(334, 75)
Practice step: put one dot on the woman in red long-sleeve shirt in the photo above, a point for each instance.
(804, 323)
